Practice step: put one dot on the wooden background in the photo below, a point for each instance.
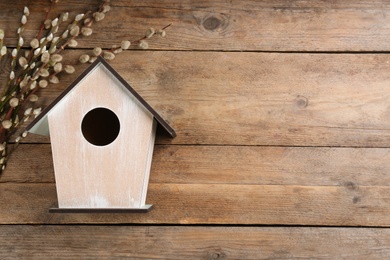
(282, 114)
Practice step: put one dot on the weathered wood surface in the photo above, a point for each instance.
(189, 242)
(225, 185)
(193, 164)
(228, 25)
(265, 137)
(216, 204)
(261, 98)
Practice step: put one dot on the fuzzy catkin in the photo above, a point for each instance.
(58, 67)
(73, 43)
(54, 80)
(97, 51)
(56, 57)
(86, 31)
(108, 55)
(69, 69)
(43, 83)
(6, 124)
(14, 102)
(33, 98)
(98, 16)
(75, 30)
(125, 45)
(149, 33)
(45, 57)
(84, 58)
(143, 44)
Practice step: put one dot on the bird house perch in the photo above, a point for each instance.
(102, 134)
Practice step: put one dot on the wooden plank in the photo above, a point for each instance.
(30, 163)
(263, 98)
(249, 25)
(306, 166)
(191, 242)
(216, 204)
(271, 99)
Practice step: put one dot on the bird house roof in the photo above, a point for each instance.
(40, 125)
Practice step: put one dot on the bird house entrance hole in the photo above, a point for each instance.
(100, 126)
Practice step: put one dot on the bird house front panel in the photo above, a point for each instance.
(102, 142)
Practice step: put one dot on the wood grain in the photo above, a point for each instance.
(226, 25)
(216, 204)
(191, 242)
(262, 98)
(269, 133)
(306, 166)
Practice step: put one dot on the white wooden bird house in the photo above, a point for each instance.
(102, 134)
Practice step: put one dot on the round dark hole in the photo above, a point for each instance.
(100, 126)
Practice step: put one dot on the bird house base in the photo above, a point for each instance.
(143, 209)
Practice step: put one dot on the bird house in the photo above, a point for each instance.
(102, 135)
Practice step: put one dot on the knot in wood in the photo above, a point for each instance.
(216, 254)
(351, 185)
(214, 23)
(301, 101)
(211, 23)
